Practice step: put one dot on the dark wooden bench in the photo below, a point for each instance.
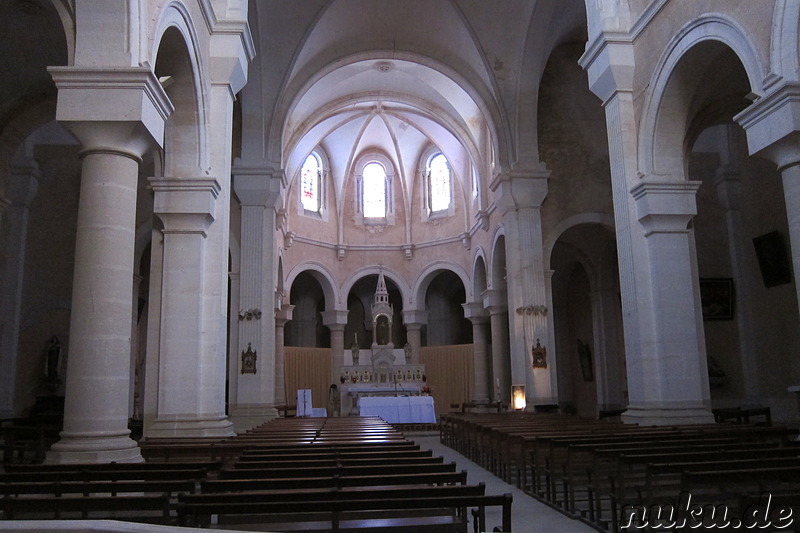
(369, 480)
(153, 508)
(339, 506)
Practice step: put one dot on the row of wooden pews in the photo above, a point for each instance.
(610, 474)
(310, 474)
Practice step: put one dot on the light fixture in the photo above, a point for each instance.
(518, 397)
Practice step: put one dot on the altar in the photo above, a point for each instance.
(399, 409)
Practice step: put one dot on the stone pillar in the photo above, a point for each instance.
(670, 365)
(259, 190)
(521, 197)
(414, 320)
(654, 398)
(475, 312)
(336, 321)
(609, 364)
(189, 372)
(495, 302)
(126, 116)
(772, 124)
(729, 194)
(282, 316)
(234, 358)
(21, 189)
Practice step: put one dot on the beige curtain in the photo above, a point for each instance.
(307, 368)
(450, 374)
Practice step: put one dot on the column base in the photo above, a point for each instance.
(246, 417)
(168, 427)
(667, 416)
(99, 449)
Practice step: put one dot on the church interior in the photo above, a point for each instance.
(223, 215)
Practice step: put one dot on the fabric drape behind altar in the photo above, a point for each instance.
(307, 368)
(450, 373)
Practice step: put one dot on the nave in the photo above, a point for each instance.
(291, 474)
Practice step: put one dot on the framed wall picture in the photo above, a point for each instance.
(717, 298)
(773, 259)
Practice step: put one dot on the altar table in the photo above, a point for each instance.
(399, 409)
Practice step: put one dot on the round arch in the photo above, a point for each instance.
(347, 286)
(583, 218)
(663, 127)
(186, 91)
(431, 271)
(498, 239)
(480, 273)
(319, 272)
(784, 52)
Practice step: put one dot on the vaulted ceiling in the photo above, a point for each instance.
(400, 77)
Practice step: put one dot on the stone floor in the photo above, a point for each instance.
(528, 515)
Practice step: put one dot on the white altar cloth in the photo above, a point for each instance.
(399, 409)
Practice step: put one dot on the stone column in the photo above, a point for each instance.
(282, 316)
(475, 312)
(670, 364)
(414, 320)
(126, 116)
(521, 197)
(21, 189)
(496, 304)
(772, 124)
(336, 321)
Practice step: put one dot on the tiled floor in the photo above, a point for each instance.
(528, 515)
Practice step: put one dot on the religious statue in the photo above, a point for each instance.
(53, 355)
(354, 349)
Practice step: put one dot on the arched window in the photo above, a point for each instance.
(311, 184)
(373, 173)
(439, 188)
(373, 196)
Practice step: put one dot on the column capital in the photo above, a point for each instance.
(665, 206)
(494, 300)
(475, 312)
(610, 64)
(232, 48)
(185, 205)
(259, 185)
(335, 318)
(415, 318)
(283, 315)
(121, 110)
(521, 188)
(772, 124)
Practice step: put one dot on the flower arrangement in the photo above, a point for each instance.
(426, 389)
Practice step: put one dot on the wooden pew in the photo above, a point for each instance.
(340, 506)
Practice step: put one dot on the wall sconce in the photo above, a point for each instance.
(518, 397)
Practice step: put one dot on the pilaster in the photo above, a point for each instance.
(672, 370)
(254, 397)
(521, 196)
(21, 188)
